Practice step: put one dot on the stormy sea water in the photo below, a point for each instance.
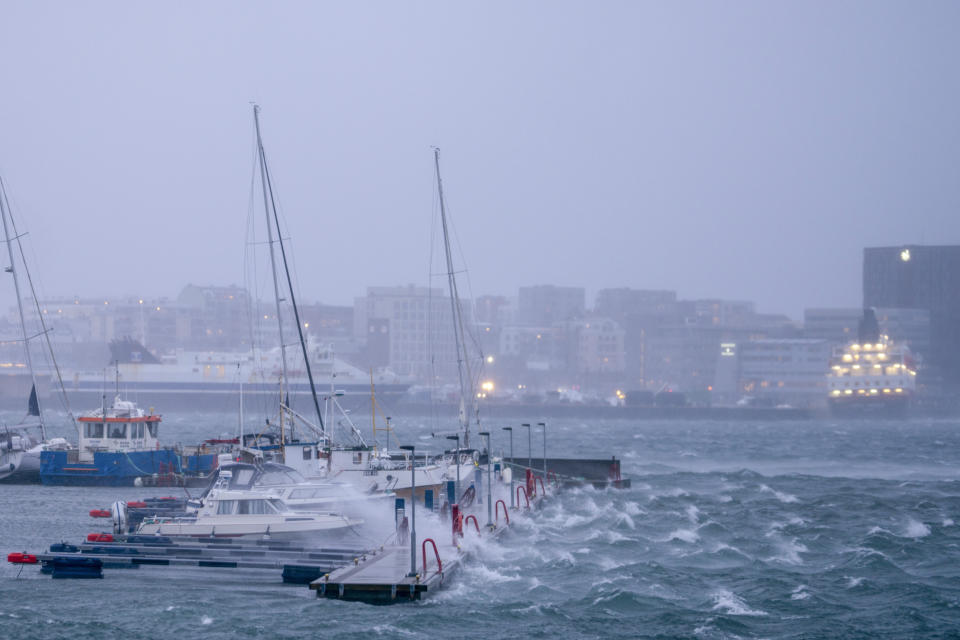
(814, 529)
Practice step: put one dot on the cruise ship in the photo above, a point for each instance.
(874, 374)
(207, 379)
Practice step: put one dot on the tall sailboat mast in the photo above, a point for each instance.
(12, 269)
(284, 391)
(463, 361)
(270, 206)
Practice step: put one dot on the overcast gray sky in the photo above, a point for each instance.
(740, 150)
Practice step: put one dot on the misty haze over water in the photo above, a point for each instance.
(747, 151)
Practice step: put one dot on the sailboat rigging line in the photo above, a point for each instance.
(43, 325)
(268, 187)
(463, 360)
(4, 212)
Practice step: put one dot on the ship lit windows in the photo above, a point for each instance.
(905, 255)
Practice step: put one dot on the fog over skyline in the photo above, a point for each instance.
(741, 150)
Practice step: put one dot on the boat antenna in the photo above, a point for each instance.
(456, 310)
(272, 206)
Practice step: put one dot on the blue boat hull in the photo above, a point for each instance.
(121, 469)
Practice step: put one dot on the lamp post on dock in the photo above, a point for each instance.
(510, 429)
(529, 445)
(456, 489)
(489, 482)
(413, 510)
(543, 425)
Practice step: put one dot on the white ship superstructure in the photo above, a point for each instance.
(872, 372)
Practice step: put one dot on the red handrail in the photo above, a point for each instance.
(496, 508)
(524, 489)
(542, 488)
(475, 523)
(457, 520)
(423, 552)
(556, 480)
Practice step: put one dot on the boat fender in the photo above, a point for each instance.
(100, 513)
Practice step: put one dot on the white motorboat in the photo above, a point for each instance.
(297, 492)
(237, 513)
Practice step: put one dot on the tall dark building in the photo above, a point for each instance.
(921, 277)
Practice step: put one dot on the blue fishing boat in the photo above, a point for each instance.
(119, 446)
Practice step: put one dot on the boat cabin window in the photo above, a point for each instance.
(307, 453)
(227, 507)
(136, 430)
(358, 457)
(117, 430)
(255, 507)
(94, 430)
(152, 428)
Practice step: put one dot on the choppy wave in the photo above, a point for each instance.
(729, 531)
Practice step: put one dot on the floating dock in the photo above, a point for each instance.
(383, 577)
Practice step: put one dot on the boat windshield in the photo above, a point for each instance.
(276, 477)
(257, 506)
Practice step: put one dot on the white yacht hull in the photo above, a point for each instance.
(288, 526)
(10, 462)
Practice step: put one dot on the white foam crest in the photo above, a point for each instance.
(485, 574)
(947, 522)
(779, 495)
(725, 498)
(876, 530)
(693, 513)
(916, 529)
(609, 563)
(723, 546)
(684, 535)
(627, 520)
(799, 593)
(390, 630)
(853, 582)
(790, 551)
(205, 620)
(607, 535)
(631, 508)
(730, 603)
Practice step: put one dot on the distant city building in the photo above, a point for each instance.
(214, 317)
(419, 326)
(837, 325)
(597, 345)
(546, 304)
(921, 277)
(622, 302)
